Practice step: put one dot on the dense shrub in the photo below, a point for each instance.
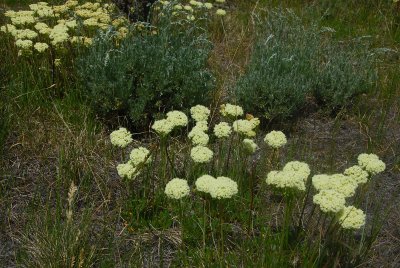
(149, 71)
(292, 60)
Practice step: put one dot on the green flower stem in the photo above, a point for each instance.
(229, 152)
(163, 145)
(252, 194)
(221, 237)
(300, 224)
(204, 223)
(181, 216)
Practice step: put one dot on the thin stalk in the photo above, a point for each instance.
(221, 222)
(299, 225)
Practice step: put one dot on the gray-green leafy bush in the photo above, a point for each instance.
(292, 60)
(152, 70)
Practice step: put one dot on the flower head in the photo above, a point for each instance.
(275, 139)
(198, 137)
(231, 110)
(330, 201)
(300, 167)
(204, 183)
(244, 127)
(41, 47)
(126, 171)
(321, 182)
(286, 180)
(223, 187)
(121, 137)
(200, 113)
(338, 182)
(163, 127)
(139, 155)
(201, 154)
(222, 130)
(371, 163)
(351, 218)
(220, 12)
(357, 174)
(177, 118)
(177, 188)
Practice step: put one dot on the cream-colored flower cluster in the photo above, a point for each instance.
(174, 119)
(190, 10)
(275, 139)
(222, 130)
(292, 176)
(301, 168)
(201, 154)
(218, 188)
(177, 188)
(334, 189)
(357, 174)
(121, 137)
(230, 110)
(127, 171)
(338, 182)
(57, 25)
(223, 188)
(204, 183)
(177, 118)
(200, 113)
(330, 201)
(245, 127)
(351, 218)
(140, 156)
(371, 163)
(198, 137)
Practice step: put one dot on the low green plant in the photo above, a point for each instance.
(215, 186)
(158, 67)
(293, 60)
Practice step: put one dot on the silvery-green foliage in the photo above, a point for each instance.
(292, 60)
(148, 72)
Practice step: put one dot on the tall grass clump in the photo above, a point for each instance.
(160, 66)
(60, 239)
(234, 198)
(293, 60)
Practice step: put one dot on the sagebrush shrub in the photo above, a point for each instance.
(292, 60)
(155, 69)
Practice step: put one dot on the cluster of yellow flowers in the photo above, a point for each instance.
(371, 163)
(230, 110)
(192, 9)
(121, 137)
(138, 156)
(201, 154)
(246, 127)
(222, 130)
(57, 25)
(198, 134)
(275, 139)
(174, 119)
(293, 176)
(334, 189)
(218, 188)
(200, 113)
(177, 188)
